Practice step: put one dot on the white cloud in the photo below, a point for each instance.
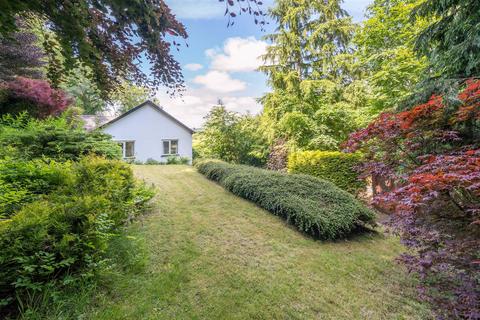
(193, 66)
(195, 104)
(220, 82)
(238, 55)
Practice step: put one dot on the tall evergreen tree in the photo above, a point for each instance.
(308, 67)
(452, 40)
(310, 42)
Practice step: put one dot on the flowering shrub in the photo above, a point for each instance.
(433, 153)
(36, 97)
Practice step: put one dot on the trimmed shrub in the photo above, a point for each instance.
(333, 166)
(316, 207)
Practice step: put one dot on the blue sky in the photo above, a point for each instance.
(220, 62)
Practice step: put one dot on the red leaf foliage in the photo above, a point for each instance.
(432, 152)
(35, 96)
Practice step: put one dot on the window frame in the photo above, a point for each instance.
(169, 147)
(124, 148)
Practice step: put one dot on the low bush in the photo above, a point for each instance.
(314, 206)
(334, 166)
(152, 162)
(178, 160)
(62, 235)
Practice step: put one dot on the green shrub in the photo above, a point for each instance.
(55, 138)
(151, 161)
(314, 206)
(333, 166)
(62, 236)
(178, 160)
(25, 181)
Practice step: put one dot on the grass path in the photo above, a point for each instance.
(211, 255)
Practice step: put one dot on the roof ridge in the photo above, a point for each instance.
(156, 107)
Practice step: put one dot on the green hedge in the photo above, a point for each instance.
(63, 223)
(314, 206)
(333, 166)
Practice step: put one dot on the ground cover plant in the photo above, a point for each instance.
(314, 206)
(334, 166)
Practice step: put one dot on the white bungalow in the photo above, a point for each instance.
(146, 132)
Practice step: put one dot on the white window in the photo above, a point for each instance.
(128, 148)
(170, 147)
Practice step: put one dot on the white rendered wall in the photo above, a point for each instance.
(148, 127)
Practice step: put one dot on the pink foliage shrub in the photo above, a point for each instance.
(35, 96)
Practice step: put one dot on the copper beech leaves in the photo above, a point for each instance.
(233, 8)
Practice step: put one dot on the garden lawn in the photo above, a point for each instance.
(206, 254)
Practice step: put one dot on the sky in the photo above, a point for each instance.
(221, 62)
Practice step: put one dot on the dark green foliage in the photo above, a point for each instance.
(151, 161)
(57, 139)
(336, 167)
(316, 207)
(61, 237)
(452, 40)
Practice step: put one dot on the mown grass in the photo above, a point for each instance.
(207, 254)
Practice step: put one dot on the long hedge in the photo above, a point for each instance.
(336, 167)
(316, 207)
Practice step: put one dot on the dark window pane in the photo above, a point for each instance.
(174, 146)
(129, 149)
(166, 147)
(122, 145)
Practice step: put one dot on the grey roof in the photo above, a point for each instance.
(92, 122)
(157, 108)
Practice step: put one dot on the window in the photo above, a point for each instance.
(170, 147)
(128, 148)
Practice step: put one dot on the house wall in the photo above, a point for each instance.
(148, 127)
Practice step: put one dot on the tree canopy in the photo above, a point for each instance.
(20, 54)
(111, 37)
(452, 40)
(384, 52)
(309, 69)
